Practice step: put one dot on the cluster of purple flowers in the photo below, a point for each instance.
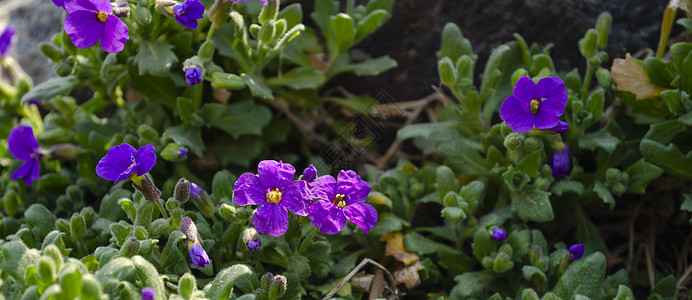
(539, 105)
(276, 193)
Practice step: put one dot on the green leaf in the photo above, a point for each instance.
(470, 284)
(40, 220)
(148, 275)
(387, 224)
(669, 158)
(420, 244)
(380, 4)
(52, 87)
(424, 130)
(239, 152)
(530, 164)
(344, 31)
(687, 204)
(299, 78)
(454, 45)
(686, 74)
(159, 90)
(664, 132)
(567, 186)
(445, 181)
(595, 104)
(293, 14)
(533, 274)
(585, 277)
(222, 286)
(155, 58)
(70, 282)
(222, 185)
(532, 204)
(660, 72)
(685, 22)
(641, 173)
(666, 287)
(185, 108)
(604, 194)
(624, 293)
(360, 104)
(675, 99)
(238, 118)
(483, 244)
(257, 86)
(187, 135)
(369, 67)
(601, 139)
(370, 23)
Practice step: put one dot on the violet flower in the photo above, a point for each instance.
(59, 3)
(538, 105)
(195, 190)
(123, 162)
(560, 164)
(193, 75)
(560, 127)
(576, 251)
(182, 152)
(274, 191)
(23, 146)
(309, 174)
(198, 256)
(340, 200)
(266, 3)
(89, 21)
(188, 12)
(148, 293)
(34, 101)
(498, 234)
(6, 40)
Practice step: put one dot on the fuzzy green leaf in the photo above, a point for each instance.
(238, 118)
(155, 58)
(532, 204)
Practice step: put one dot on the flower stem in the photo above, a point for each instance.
(163, 211)
(587, 80)
(307, 238)
(211, 32)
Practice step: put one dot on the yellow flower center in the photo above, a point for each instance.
(274, 196)
(102, 16)
(535, 103)
(339, 200)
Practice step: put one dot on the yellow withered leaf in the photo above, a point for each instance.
(631, 77)
(395, 248)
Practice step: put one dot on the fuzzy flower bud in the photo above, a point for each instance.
(148, 293)
(560, 127)
(121, 9)
(514, 141)
(532, 144)
(150, 192)
(182, 190)
(190, 230)
(193, 75)
(251, 238)
(129, 248)
(182, 152)
(277, 287)
(498, 234)
(576, 251)
(561, 162)
(310, 173)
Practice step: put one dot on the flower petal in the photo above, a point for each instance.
(23, 171)
(323, 187)
(22, 142)
(145, 159)
(117, 160)
(271, 219)
(248, 190)
(296, 198)
(327, 217)
(352, 186)
(114, 35)
(524, 90)
(35, 174)
(362, 214)
(548, 114)
(103, 5)
(275, 174)
(83, 28)
(513, 113)
(72, 6)
(552, 88)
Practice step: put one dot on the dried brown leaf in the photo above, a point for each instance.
(395, 248)
(408, 275)
(631, 77)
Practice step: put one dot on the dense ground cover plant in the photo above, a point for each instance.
(500, 210)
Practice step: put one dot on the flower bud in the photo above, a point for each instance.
(177, 213)
(529, 294)
(204, 204)
(532, 144)
(141, 233)
(190, 230)
(187, 285)
(63, 152)
(51, 51)
(218, 13)
(612, 175)
(595, 61)
(576, 251)
(507, 248)
(148, 190)
(542, 183)
(91, 288)
(182, 190)
(64, 67)
(560, 164)
(550, 296)
(159, 226)
(618, 189)
(207, 49)
(198, 256)
(251, 238)
(488, 262)
(588, 44)
(514, 141)
(277, 287)
(220, 80)
(560, 127)
(147, 133)
(77, 226)
(195, 190)
(310, 173)
(603, 78)
(227, 212)
(266, 280)
(624, 177)
(498, 234)
(452, 199)
(543, 263)
(502, 263)
(269, 12)
(254, 30)
(448, 73)
(603, 23)
(148, 293)
(519, 73)
(267, 32)
(46, 270)
(54, 253)
(165, 7)
(535, 253)
(378, 198)
(121, 9)
(74, 193)
(464, 67)
(172, 152)
(88, 214)
(454, 214)
(172, 204)
(182, 152)
(193, 75)
(62, 225)
(129, 248)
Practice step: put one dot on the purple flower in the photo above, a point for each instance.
(538, 105)
(340, 200)
(148, 293)
(182, 152)
(576, 251)
(188, 12)
(498, 234)
(195, 190)
(198, 256)
(6, 40)
(310, 173)
(34, 101)
(560, 127)
(59, 3)
(23, 146)
(123, 161)
(193, 75)
(89, 21)
(560, 162)
(274, 191)
(266, 3)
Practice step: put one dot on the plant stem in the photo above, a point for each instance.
(587, 80)
(163, 211)
(305, 241)
(211, 32)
